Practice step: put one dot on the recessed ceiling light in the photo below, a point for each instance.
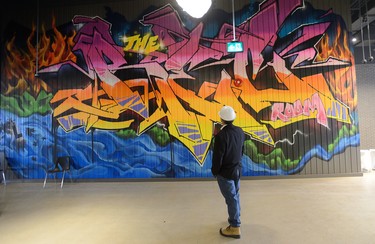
(354, 39)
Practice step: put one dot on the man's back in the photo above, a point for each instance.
(228, 151)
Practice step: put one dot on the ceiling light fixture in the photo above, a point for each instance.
(195, 8)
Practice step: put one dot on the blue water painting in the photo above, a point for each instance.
(103, 154)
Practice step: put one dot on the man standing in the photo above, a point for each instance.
(226, 167)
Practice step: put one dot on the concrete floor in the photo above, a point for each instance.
(309, 210)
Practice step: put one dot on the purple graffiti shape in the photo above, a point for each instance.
(96, 47)
(99, 51)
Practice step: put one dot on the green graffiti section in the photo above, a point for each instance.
(344, 132)
(277, 160)
(26, 104)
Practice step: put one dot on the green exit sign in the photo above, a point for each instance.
(234, 47)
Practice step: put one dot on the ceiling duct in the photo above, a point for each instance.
(363, 21)
(370, 58)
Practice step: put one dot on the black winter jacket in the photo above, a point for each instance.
(228, 150)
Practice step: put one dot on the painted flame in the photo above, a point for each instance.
(20, 67)
(342, 82)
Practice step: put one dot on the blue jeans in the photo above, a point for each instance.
(230, 190)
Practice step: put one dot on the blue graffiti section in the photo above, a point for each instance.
(116, 157)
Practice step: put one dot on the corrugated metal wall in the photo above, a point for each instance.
(175, 74)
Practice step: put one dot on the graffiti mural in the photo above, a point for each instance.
(144, 104)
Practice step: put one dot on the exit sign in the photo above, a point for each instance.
(234, 47)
